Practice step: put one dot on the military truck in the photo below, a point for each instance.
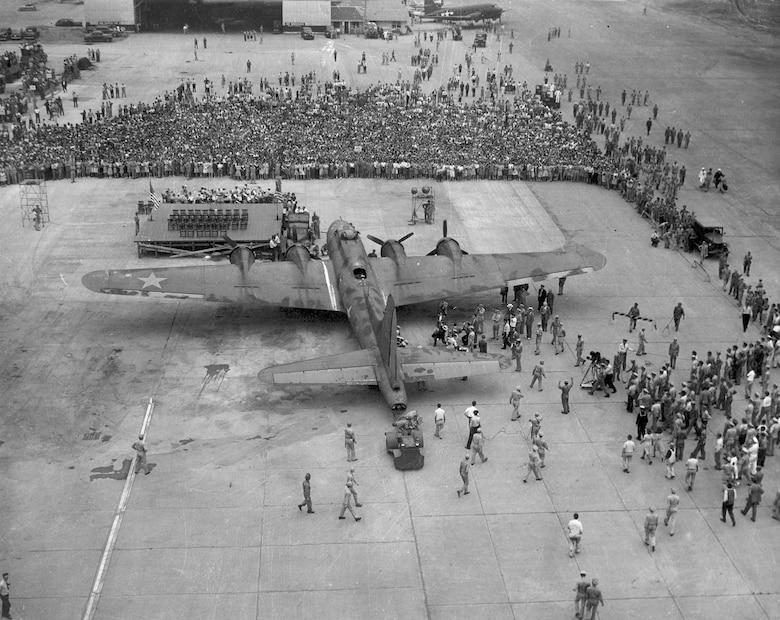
(709, 232)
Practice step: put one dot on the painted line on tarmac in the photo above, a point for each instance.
(105, 558)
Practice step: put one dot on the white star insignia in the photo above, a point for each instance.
(152, 280)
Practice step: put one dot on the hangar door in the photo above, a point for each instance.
(299, 13)
(120, 12)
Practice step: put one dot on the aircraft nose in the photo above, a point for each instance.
(95, 281)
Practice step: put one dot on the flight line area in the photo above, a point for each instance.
(272, 373)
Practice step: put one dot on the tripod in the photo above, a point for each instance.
(590, 378)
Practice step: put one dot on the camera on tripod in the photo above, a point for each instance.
(597, 365)
(595, 357)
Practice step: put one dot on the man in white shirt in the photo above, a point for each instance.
(749, 380)
(574, 533)
(438, 419)
(627, 454)
(474, 424)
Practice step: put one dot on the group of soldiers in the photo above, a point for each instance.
(350, 490)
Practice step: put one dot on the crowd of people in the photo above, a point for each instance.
(201, 195)
(402, 133)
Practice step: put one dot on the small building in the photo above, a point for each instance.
(346, 18)
(388, 15)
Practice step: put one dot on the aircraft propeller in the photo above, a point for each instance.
(446, 246)
(241, 256)
(379, 241)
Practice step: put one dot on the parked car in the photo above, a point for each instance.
(5, 34)
(480, 40)
(331, 33)
(28, 7)
(30, 33)
(307, 34)
(65, 21)
(98, 36)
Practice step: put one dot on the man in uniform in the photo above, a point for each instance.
(579, 600)
(542, 446)
(640, 350)
(594, 598)
(672, 506)
(691, 467)
(753, 499)
(465, 465)
(306, 494)
(474, 423)
(633, 314)
(349, 442)
(533, 464)
(622, 351)
(347, 503)
(578, 348)
(140, 452)
(729, 497)
(477, 445)
(5, 595)
(517, 354)
(536, 423)
(674, 351)
(514, 400)
(352, 483)
(565, 388)
(538, 374)
(651, 525)
(542, 297)
(677, 314)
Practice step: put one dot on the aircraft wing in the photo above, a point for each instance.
(285, 284)
(417, 279)
(357, 367)
(430, 364)
(353, 368)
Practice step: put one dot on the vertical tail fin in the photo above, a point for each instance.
(386, 339)
(430, 7)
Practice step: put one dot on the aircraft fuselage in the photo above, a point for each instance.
(364, 302)
(472, 12)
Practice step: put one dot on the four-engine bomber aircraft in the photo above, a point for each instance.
(367, 289)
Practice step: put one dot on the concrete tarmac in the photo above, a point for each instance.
(213, 531)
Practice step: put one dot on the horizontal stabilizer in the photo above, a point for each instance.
(429, 364)
(353, 368)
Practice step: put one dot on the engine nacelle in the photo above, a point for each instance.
(393, 249)
(299, 255)
(449, 248)
(242, 257)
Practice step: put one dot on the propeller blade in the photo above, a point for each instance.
(405, 237)
(229, 241)
(444, 228)
(375, 240)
